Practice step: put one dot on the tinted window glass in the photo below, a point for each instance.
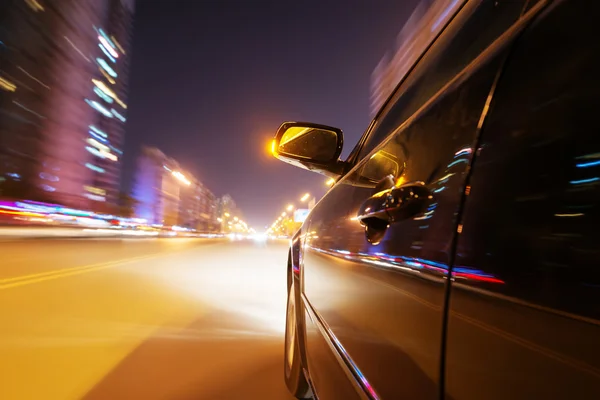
(524, 317)
(475, 27)
(534, 209)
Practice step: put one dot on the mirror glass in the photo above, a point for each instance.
(380, 165)
(319, 145)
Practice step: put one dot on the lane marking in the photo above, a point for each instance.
(49, 275)
(8, 283)
(58, 271)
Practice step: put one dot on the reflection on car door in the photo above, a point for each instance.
(380, 300)
(524, 318)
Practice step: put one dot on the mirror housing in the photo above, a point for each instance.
(310, 146)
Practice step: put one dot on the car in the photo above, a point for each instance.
(457, 256)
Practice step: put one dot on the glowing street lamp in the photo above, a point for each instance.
(290, 207)
(283, 214)
(180, 177)
(330, 182)
(305, 197)
(227, 214)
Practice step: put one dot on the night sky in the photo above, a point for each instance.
(212, 80)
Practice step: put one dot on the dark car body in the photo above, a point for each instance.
(490, 287)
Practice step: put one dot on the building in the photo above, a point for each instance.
(110, 88)
(424, 24)
(226, 205)
(166, 194)
(198, 208)
(229, 214)
(382, 83)
(62, 112)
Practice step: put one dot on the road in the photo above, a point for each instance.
(142, 319)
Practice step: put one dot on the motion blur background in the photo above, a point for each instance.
(144, 252)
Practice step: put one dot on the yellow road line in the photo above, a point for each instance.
(57, 271)
(64, 272)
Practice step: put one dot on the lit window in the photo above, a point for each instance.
(103, 95)
(95, 197)
(94, 151)
(108, 155)
(106, 67)
(116, 114)
(34, 5)
(108, 46)
(49, 177)
(114, 40)
(7, 85)
(106, 53)
(97, 144)
(116, 150)
(95, 190)
(95, 168)
(107, 76)
(99, 107)
(102, 86)
(98, 131)
(100, 138)
(107, 38)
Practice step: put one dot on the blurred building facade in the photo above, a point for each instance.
(63, 91)
(198, 208)
(166, 194)
(110, 89)
(229, 214)
(421, 28)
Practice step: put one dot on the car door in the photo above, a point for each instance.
(524, 318)
(378, 297)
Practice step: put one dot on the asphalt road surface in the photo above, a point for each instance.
(142, 319)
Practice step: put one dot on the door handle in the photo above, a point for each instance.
(395, 204)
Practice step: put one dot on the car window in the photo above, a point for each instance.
(473, 29)
(537, 175)
(526, 278)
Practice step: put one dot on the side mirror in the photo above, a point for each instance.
(310, 146)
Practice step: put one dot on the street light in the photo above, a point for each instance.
(227, 214)
(235, 218)
(283, 214)
(330, 182)
(305, 197)
(290, 207)
(180, 177)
